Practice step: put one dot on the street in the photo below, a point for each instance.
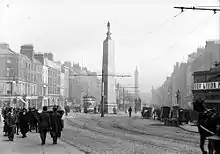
(121, 134)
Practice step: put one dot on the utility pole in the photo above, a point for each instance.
(198, 8)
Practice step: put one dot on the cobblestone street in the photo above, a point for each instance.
(120, 134)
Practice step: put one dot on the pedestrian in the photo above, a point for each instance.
(10, 121)
(17, 120)
(129, 111)
(24, 122)
(44, 124)
(35, 119)
(56, 125)
(30, 118)
(95, 110)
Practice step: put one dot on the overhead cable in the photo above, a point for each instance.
(164, 23)
(203, 23)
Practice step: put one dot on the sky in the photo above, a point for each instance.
(149, 34)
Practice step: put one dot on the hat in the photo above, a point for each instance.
(24, 109)
(54, 108)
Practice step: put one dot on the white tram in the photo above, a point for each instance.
(89, 103)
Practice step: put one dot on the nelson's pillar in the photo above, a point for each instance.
(108, 70)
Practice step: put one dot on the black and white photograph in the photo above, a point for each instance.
(109, 76)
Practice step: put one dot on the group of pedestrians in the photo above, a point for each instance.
(20, 120)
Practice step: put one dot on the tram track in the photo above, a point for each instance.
(131, 130)
(125, 134)
(136, 131)
(176, 139)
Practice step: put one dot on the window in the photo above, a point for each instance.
(26, 89)
(9, 88)
(9, 60)
(8, 72)
(32, 78)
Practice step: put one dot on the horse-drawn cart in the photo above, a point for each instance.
(146, 112)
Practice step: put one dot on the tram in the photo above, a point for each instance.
(89, 103)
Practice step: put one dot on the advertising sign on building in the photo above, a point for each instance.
(206, 85)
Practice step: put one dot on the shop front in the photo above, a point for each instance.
(207, 86)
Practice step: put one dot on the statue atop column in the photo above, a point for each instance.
(108, 32)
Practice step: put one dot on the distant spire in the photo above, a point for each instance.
(108, 32)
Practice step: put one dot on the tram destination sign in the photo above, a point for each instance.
(206, 85)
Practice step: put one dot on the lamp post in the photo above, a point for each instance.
(102, 100)
(102, 95)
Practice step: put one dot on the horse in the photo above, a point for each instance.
(208, 121)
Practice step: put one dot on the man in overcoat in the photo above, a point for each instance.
(11, 127)
(130, 110)
(44, 124)
(56, 125)
(24, 125)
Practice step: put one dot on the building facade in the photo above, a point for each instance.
(182, 76)
(21, 77)
(54, 79)
(65, 70)
(8, 74)
(207, 86)
(30, 71)
(44, 75)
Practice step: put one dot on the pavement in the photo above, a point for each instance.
(32, 145)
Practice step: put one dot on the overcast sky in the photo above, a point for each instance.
(146, 33)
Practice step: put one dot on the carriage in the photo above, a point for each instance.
(146, 112)
(165, 112)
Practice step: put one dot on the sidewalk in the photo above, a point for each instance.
(191, 127)
(32, 145)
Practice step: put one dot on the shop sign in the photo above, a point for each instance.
(206, 85)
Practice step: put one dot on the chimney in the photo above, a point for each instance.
(49, 56)
(39, 57)
(28, 50)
